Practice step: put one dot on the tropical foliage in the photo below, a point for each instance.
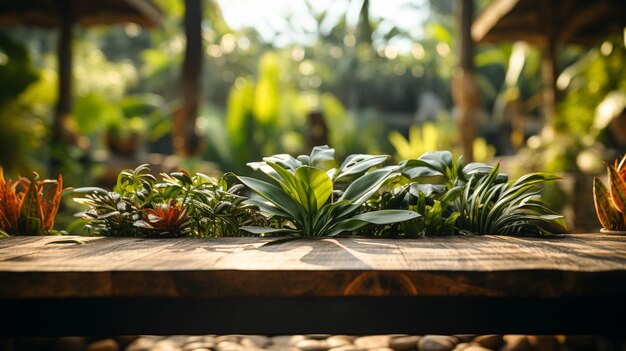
(471, 199)
(313, 200)
(179, 205)
(28, 206)
(611, 203)
(311, 195)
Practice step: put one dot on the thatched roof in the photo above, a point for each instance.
(48, 13)
(568, 21)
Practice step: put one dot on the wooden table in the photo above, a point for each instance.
(488, 284)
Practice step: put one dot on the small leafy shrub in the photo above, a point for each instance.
(317, 202)
(507, 208)
(28, 206)
(611, 203)
(471, 199)
(179, 205)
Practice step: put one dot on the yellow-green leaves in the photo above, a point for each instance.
(611, 203)
(607, 213)
(314, 185)
(617, 185)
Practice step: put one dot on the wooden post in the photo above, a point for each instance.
(64, 100)
(548, 64)
(464, 88)
(185, 138)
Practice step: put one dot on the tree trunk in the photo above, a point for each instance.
(548, 65)
(464, 88)
(185, 137)
(60, 133)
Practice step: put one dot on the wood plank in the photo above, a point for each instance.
(489, 266)
(15, 248)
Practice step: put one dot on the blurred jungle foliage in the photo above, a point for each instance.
(380, 88)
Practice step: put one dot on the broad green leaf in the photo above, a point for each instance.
(365, 186)
(285, 161)
(274, 195)
(376, 217)
(317, 186)
(320, 154)
(357, 164)
(422, 170)
(267, 206)
(439, 160)
(386, 216)
(287, 181)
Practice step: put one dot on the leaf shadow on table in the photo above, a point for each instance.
(328, 252)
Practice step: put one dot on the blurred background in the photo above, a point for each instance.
(90, 88)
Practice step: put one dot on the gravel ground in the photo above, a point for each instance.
(320, 342)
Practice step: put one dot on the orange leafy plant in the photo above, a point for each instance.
(168, 220)
(611, 202)
(29, 206)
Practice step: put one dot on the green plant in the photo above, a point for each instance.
(312, 200)
(166, 220)
(471, 199)
(429, 185)
(29, 206)
(432, 202)
(611, 203)
(489, 206)
(179, 205)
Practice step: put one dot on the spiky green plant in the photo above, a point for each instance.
(610, 203)
(471, 199)
(490, 206)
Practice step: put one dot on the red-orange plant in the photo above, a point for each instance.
(29, 206)
(169, 220)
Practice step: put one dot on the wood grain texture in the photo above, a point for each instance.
(488, 266)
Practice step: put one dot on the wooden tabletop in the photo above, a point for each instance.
(470, 266)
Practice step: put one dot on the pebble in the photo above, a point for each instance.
(258, 341)
(312, 345)
(404, 343)
(474, 347)
(228, 346)
(491, 341)
(141, 344)
(231, 338)
(372, 341)
(349, 347)
(392, 342)
(437, 343)
(516, 343)
(166, 345)
(103, 345)
(339, 340)
(190, 346)
(465, 337)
